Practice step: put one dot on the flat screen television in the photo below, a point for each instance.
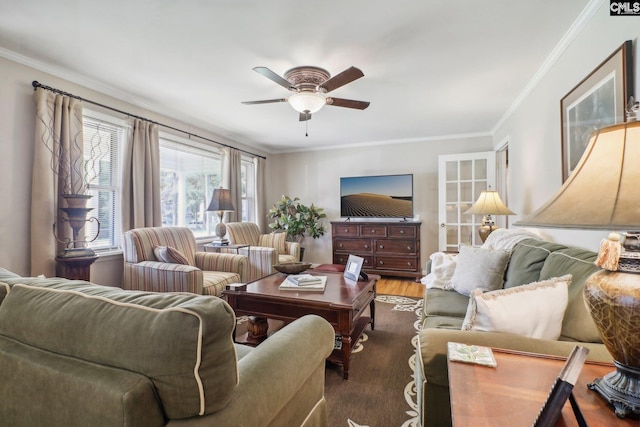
(379, 196)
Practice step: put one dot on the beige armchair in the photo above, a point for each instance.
(185, 270)
(265, 250)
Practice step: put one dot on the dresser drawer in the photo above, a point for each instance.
(345, 230)
(353, 245)
(396, 263)
(373, 231)
(342, 259)
(401, 231)
(395, 246)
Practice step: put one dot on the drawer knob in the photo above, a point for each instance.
(366, 246)
(366, 261)
(346, 230)
(381, 262)
(340, 245)
(408, 248)
(373, 231)
(381, 246)
(401, 231)
(410, 264)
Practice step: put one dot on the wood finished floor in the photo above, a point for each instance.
(400, 286)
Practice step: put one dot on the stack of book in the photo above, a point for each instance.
(304, 282)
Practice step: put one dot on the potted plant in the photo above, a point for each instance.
(297, 220)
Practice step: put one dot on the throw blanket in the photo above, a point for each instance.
(443, 265)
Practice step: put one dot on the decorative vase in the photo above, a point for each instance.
(614, 301)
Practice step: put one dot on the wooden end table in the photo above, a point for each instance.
(342, 304)
(210, 247)
(513, 393)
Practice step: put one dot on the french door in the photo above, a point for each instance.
(461, 178)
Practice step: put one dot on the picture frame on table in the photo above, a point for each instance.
(353, 268)
(599, 100)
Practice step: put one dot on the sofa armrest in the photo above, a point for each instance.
(154, 276)
(281, 380)
(229, 263)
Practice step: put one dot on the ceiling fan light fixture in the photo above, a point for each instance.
(307, 102)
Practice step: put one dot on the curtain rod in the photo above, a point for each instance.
(36, 84)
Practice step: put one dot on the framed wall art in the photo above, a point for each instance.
(599, 100)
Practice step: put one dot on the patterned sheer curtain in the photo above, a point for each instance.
(141, 177)
(232, 179)
(57, 170)
(260, 193)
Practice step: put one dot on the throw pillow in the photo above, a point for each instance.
(478, 268)
(170, 255)
(535, 310)
(274, 240)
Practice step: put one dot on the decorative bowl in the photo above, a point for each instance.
(292, 268)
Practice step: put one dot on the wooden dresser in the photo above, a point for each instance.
(388, 248)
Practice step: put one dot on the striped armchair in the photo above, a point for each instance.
(190, 271)
(265, 250)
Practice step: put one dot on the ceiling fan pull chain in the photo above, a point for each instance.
(306, 128)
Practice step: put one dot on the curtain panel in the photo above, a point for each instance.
(141, 177)
(57, 169)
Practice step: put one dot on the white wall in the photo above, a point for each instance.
(314, 177)
(533, 130)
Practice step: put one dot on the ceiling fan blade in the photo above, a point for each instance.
(348, 103)
(347, 76)
(264, 101)
(305, 117)
(274, 77)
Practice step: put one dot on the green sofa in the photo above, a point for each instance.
(444, 311)
(73, 353)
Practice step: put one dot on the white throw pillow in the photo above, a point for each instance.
(535, 310)
(478, 268)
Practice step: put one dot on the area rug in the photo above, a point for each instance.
(380, 391)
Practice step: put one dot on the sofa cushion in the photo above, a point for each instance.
(577, 324)
(478, 268)
(39, 387)
(527, 259)
(170, 255)
(182, 342)
(534, 310)
(439, 302)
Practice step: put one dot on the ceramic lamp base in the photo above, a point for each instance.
(614, 301)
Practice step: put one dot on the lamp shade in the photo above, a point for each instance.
(307, 102)
(603, 191)
(221, 201)
(489, 203)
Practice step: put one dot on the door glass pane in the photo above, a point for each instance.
(480, 187)
(480, 169)
(452, 214)
(466, 170)
(466, 233)
(452, 171)
(466, 192)
(452, 236)
(452, 192)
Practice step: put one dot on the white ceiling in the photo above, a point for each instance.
(433, 68)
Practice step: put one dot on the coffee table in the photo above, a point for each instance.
(513, 393)
(343, 304)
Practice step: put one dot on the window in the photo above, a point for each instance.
(188, 174)
(248, 189)
(103, 141)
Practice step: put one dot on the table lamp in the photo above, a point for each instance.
(489, 203)
(221, 203)
(602, 193)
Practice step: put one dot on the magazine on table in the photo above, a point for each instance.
(477, 354)
(305, 279)
(288, 285)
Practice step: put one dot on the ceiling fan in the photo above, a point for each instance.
(311, 84)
